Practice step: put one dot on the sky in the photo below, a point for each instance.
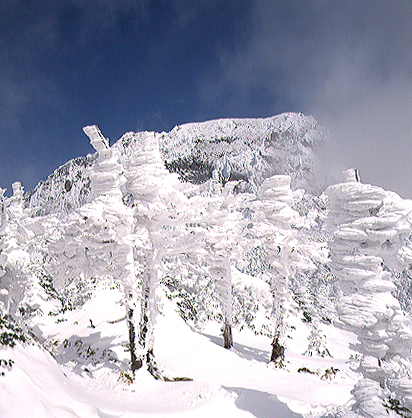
(133, 65)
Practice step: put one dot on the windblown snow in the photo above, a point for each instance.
(205, 271)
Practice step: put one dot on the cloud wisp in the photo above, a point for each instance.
(348, 63)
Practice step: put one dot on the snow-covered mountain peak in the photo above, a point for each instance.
(252, 129)
(245, 149)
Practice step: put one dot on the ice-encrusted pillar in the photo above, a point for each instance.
(370, 226)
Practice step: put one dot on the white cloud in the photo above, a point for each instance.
(346, 62)
(374, 134)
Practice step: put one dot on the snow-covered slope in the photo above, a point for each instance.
(201, 272)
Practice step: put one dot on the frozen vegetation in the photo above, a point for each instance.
(207, 271)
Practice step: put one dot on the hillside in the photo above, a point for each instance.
(206, 270)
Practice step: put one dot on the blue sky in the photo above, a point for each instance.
(150, 65)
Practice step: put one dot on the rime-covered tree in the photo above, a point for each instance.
(225, 223)
(95, 242)
(270, 219)
(135, 218)
(107, 180)
(14, 259)
(158, 205)
(370, 227)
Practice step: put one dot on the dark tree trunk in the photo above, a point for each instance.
(144, 320)
(278, 351)
(227, 335)
(135, 363)
(152, 366)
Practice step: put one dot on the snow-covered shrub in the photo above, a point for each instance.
(10, 332)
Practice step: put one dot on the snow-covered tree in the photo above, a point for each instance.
(14, 258)
(370, 227)
(2, 207)
(158, 204)
(107, 180)
(225, 227)
(270, 220)
(94, 242)
(314, 288)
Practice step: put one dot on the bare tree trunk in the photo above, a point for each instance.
(227, 335)
(278, 351)
(135, 363)
(152, 366)
(144, 320)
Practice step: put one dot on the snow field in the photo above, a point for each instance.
(238, 382)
